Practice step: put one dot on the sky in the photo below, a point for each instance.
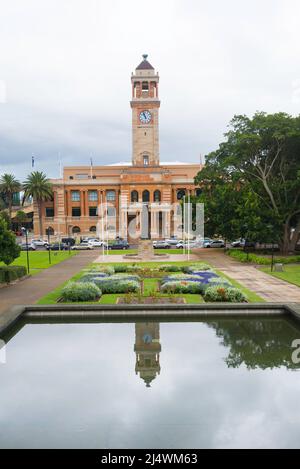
(65, 68)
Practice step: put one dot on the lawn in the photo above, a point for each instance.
(40, 259)
(150, 285)
(291, 273)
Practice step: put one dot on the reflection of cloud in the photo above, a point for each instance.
(74, 385)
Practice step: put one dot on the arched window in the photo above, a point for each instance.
(93, 229)
(134, 196)
(50, 231)
(146, 196)
(157, 196)
(75, 229)
(180, 194)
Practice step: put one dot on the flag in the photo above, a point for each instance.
(32, 161)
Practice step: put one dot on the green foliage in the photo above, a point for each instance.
(251, 183)
(39, 187)
(9, 250)
(78, 291)
(117, 285)
(170, 268)
(260, 260)
(223, 293)
(108, 269)
(121, 268)
(190, 269)
(178, 286)
(9, 185)
(11, 273)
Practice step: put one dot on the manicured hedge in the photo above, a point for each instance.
(108, 285)
(79, 291)
(9, 273)
(260, 260)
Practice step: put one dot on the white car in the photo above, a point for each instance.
(96, 243)
(215, 243)
(83, 246)
(187, 245)
(39, 242)
(173, 241)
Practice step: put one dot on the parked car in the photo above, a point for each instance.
(57, 247)
(188, 245)
(31, 247)
(70, 241)
(118, 245)
(214, 243)
(161, 244)
(173, 241)
(96, 243)
(242, 243)
(83, 246)
(39, 242)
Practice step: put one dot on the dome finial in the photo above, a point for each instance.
(145, 56)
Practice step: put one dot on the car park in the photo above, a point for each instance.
(187, 245)
(69, 241)
(96, 243)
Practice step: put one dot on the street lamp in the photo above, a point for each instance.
(49, 245)
(270, 227)
(25, 231)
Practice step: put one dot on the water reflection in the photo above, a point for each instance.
(147, 349)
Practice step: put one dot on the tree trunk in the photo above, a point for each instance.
(284, 244)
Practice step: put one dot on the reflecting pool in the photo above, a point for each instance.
(215, 384)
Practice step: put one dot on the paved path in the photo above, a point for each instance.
(266, 286)
(28, 291)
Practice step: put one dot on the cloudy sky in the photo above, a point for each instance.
(65, 69)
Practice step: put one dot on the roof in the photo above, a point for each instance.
(145, 65)
(163, 163)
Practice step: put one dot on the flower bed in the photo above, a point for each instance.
(80, 291)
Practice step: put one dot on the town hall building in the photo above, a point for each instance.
(96, 199)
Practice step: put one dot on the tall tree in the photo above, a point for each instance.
(9, 185)
(262, 157)
(39, 187)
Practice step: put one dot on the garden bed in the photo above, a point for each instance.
(150, 300)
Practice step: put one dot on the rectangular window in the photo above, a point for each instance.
(49, 212)
(76, 212)
(81, 176)
(93, 196)
(92, 211)
(146, 160)
(110, 196)
(75, 196)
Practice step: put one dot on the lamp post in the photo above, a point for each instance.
(270, 228)
(49, 245)
(25, 232)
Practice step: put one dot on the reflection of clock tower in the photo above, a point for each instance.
(147, 349)
(145, 105)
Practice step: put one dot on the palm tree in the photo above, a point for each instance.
(9, 185)
(38, 186)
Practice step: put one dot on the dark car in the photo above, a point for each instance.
(57, 247)
(119, 245)
(70, 241)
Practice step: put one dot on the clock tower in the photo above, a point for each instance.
(145, 105)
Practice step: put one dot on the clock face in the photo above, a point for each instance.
(145, 117)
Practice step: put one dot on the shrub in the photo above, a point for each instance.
(182, 286)
(9, 250)
(170, 268)
(12, 272)
(107, 269)
(80, 291)
(132, 268)
(260, 260)
(224, 294)
(121, 268)
(107, 285)
(190, 269)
